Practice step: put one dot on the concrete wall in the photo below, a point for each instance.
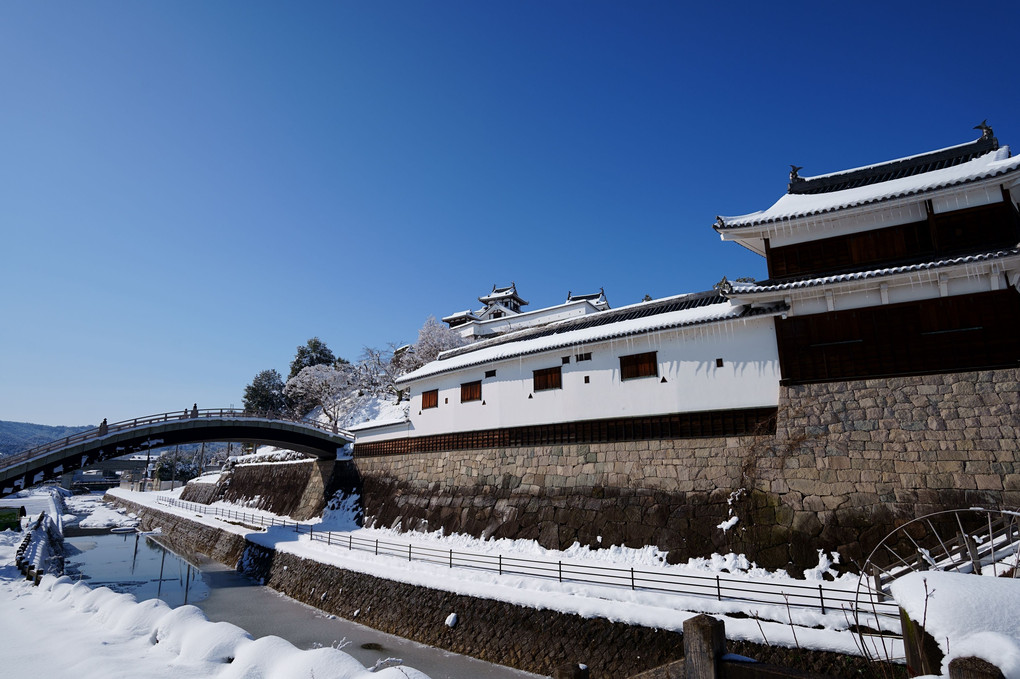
(849, 461)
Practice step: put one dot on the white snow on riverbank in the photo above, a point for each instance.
(647, 608)
(998, 641)
(65, 629)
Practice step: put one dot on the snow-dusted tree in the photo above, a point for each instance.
(314, 352)
(265, 394)
(377, 370)
(433, 339)
(325, 386)
(175, 466)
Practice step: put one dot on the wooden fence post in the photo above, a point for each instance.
(923, 653)
(704, 647)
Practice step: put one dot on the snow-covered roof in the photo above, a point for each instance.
(467, 314)
(509, 292)
(378, 424)
(596, 298)
(894, 169)
(794, 205)
(740, 289)
(645, 317)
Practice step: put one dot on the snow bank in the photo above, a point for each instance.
(198, 646)
(967, 615)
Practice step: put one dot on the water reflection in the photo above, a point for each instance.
(151, 572)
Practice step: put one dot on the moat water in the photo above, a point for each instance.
(139, 565)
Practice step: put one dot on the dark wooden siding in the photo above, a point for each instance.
(967, 332)
(704, 424)
(950, 234)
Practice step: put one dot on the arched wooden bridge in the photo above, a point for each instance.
(52, 459)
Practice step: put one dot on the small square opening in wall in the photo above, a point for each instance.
(718, 363)
(490, 373)
(566, 360)
(587, 379)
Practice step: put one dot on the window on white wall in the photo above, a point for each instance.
(471, 391)
(639, 365)
(548, 378)
(430, 399)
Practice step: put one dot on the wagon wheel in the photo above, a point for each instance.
(977, 541)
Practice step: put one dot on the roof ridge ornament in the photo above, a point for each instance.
(794, 177)
(723, 287)
(986, 131)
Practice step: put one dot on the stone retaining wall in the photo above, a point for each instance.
(185, 535)
(849, 461)
(671, 494)
(295, 489)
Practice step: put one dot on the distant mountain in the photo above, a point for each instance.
(18, 436)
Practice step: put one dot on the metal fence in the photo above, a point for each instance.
(718, 587)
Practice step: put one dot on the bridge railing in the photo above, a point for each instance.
(134, 423)
(821, 597)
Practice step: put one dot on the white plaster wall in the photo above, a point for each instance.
(749, 378)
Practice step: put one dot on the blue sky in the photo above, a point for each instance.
(190, 190)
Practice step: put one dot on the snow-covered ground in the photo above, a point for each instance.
(968, 615)
(647, 608)
(69, 629)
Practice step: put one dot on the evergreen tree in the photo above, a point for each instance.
(265, 394)
(314, 352)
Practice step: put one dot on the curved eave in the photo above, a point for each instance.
(747, 224)
(764, 292)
